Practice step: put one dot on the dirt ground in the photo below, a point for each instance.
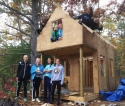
(98, 102)
(106, 103)
(68, 103)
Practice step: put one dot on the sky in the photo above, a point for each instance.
(4, 18)
(104, 2)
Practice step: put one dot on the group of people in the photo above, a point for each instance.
(85, 18)
(57, 32)
(53, 77)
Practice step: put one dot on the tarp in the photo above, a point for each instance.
(117, 95)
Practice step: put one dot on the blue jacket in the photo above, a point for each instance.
(33, 73)
(48, 67)
(60, 32)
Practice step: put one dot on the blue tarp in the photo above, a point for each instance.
(117, 95)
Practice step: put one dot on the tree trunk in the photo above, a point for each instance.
(34, 27)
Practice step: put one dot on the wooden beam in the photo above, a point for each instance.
(54, 58)
(41, 85)
(86, 98)
(67, 52)
(65, 67)
(87, 66)
(62, 52)
(89, 78)
(84, 68)
(96, 72)
(81, 72)
(41, 57)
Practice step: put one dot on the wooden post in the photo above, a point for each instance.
(54, 58)
(84, 63)
(96, 60)
(65, 67)
(81, 72)
(41, 58)
(41, 85)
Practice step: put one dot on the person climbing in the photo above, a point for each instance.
(47, 79)
(23, 75)
(71, 14)
(43, 23)
(95, 24)
(36, 77)
(55, 34)
(86, 17)
(88, 20)
(57, 79)
(60, 31)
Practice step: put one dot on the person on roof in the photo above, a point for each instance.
(87, 19)
(95, 24)
(71, 14)
(42, 23)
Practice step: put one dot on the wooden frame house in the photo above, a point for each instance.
(88, 58)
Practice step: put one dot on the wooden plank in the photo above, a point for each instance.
(88, 97)
(84, 72)
(41, 85)
(74, 72)
(54, 58)
(88, 73)
(72, 33)
(65, 67)
(87, 67)
(95, 72)
(81, 72)
(91, 72)
(70, 51)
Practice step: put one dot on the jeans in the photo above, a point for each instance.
(20, 80)
(47, 86)
(54, 39)
(36, 85)
(54, 84)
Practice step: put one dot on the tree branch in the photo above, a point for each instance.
(15, 36)
(11, 9)
(18, 30)
(19, 37)
(23, 20)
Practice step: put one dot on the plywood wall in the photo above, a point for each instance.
(72, 33)
(103, 48)
(74, 72)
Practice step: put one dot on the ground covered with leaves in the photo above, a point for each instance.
(7, 101)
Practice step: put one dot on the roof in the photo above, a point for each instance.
(74, 34)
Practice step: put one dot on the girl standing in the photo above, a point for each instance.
(36, 77)
(47, 79)
(57, 79)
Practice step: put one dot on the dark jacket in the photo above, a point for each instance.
(24, 70)
(95, 25)
(86, 19)
(42, 24)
